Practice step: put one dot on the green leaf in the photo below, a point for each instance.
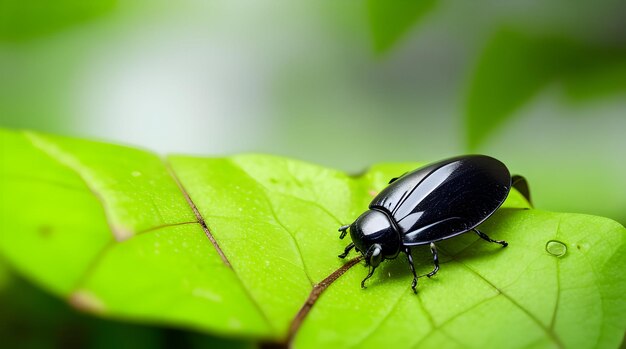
(515, 66)
(486, 297)
(50, 323)
(390, 20)
(244, 246)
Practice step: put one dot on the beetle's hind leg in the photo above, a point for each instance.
(433, 250)
(347, 250)
(487, 238)
(407, 250)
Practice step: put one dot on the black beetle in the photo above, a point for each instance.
(429, 204)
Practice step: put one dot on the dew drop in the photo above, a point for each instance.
(556, 248)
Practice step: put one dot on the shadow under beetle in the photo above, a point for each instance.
(429, 204)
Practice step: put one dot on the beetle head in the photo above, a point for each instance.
(375, 237)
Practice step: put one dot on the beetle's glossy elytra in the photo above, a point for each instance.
(429, 204)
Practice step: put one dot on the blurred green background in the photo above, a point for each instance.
(539, 84)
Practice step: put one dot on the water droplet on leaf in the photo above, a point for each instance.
(556, 248)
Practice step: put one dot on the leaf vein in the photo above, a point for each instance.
(265, 191)
(210, 236)
(57, 156)
(530, 315)
(452, 318)
(316, 292)
(311, 202)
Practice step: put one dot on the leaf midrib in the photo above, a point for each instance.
(197, 213)
(215, 244)
(118, 237)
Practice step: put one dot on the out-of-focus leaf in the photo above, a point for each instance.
(600, 81)
(514, 67)
(109, 229)
(390, 20)
(33, 319)
(23, 20)
(4, 275)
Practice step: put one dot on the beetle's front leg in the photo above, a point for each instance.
(407, 250)
(369, 275)
(347, 250)
(344, 230)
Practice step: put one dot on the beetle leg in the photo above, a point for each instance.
(433, 250)
(369, 275)
(344, 230)
(487, 238)
(407, 250)
(368, 255)
(347, 250)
